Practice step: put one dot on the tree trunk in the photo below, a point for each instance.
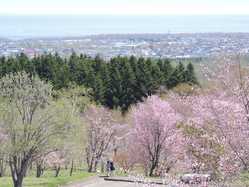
(71, 169)
(17, 178)
(38, 170)
(57, 171)
(42, 171)
(18, 173)
(90, 166)
(2, 168)
(31, 166)
(152, 168)
(95, 165)
(17, 183)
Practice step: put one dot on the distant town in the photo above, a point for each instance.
(146, 45)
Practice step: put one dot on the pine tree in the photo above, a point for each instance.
(128, 85)
(178, 76)
(117, 83)
(190, 76)
(98, 90)
(167, 70)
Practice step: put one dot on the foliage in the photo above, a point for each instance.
(30, 121)
(117, 83)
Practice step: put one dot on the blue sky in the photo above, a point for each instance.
(125, 7)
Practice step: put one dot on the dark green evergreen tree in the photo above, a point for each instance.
(190, 76)
(117, 83)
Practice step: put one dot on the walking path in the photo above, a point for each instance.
(100, 182)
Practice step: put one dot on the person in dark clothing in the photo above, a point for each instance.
(112, 168)
(108, 168)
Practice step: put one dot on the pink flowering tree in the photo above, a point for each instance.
(231, 108)
(55, 160)
(100, 134)
(215, 132)
(127, 152)
(155, 128)
(217, 120)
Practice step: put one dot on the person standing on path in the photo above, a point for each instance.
(112, 168)
(108, 168)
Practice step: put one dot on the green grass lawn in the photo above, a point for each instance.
(48, 179)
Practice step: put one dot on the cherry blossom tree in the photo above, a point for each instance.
(231, 107)
(155, 123)
(216, 120)
(211, 127)
(127, 151)
(100, 134)
(55, 160)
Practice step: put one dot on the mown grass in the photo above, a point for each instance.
(243, 180)
(48, 179)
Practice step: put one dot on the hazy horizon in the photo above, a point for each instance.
(63, 18)
(82, 25)
(126, 7)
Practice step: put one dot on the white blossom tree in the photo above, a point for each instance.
(30, 121)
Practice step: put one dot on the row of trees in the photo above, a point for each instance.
(34, 124)
(202, 131)
(119, 83)
(49, 129)
(206, 131)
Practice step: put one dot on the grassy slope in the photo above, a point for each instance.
(48, 180)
